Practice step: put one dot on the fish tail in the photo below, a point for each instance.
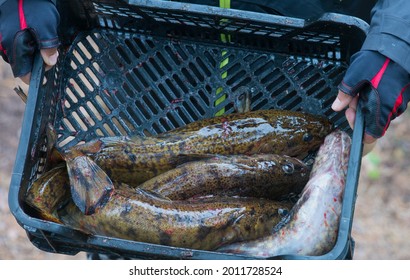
(91, 188)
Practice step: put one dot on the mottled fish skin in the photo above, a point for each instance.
(137, 159)
(267, 175)
(311, 227)
(49, 192)
(139, 216)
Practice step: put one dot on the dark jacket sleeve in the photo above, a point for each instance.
(389, 31)
(2, 1)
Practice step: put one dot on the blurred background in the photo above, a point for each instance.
(381, 227)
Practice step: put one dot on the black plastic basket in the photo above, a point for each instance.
(145, 67)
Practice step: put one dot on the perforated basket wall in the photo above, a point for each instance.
(146, 67)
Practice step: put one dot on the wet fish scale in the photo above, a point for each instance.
(137, 159)
(312, 225)
(199, 225)
(266, 175)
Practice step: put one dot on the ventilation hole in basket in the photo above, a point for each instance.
(87, 118)
(93, 77)
(304, 71)
(199, 108)
(120, 126)
(93, 44)
(173, 55)
(70, 96)
(98, 69)
(280, 88)
(84, 50)
(163, 61)
(286, 98)
(204, 96)
(78, 57)
(128, 121)
(123, 54)
(73, 65)
(102, 104)
(65, 104)
(156, 66)
(150, 43)
(157, 129)
(180, 52)
(93, 111)
(130, 78)
(75, 88)
(165, 123)
(203, 67)
(141, 78)
(183, 88)
(336, 117)
(152, 77)
(235, 74)
(316, 88)
(165, 93)
(68, 125)
(109, 131)
(158, 100)
(66, 141)
(142, 107)
(79, 120)
(188, 77)
(140, 45)
(210, 58)
(134, 116)
(169, 90)
(311, 81)
(261, 65)
(132, 48)
(328, 102)
(322, 93)
(272, 78)
(328, 67)
(99, 132)
(147, 133)
(294, 104)
(196, 72)
(86, 83)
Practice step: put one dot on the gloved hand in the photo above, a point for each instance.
(25, 27)
(388, 99)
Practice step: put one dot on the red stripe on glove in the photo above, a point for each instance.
(376, 79)
(23, 23)
(397, 104)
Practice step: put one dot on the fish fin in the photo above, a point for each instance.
(152, 194)
(91, 188)
(54, 156)
(242, 102)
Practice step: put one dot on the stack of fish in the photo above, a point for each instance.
(214, 184)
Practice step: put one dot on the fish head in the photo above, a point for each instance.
(309, 135)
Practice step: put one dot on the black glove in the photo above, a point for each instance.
(390, 84)
(27, 26)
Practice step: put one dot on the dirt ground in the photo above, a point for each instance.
(381, 225)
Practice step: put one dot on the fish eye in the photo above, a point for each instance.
(282, 212)
(288, 168)
(307, 137)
